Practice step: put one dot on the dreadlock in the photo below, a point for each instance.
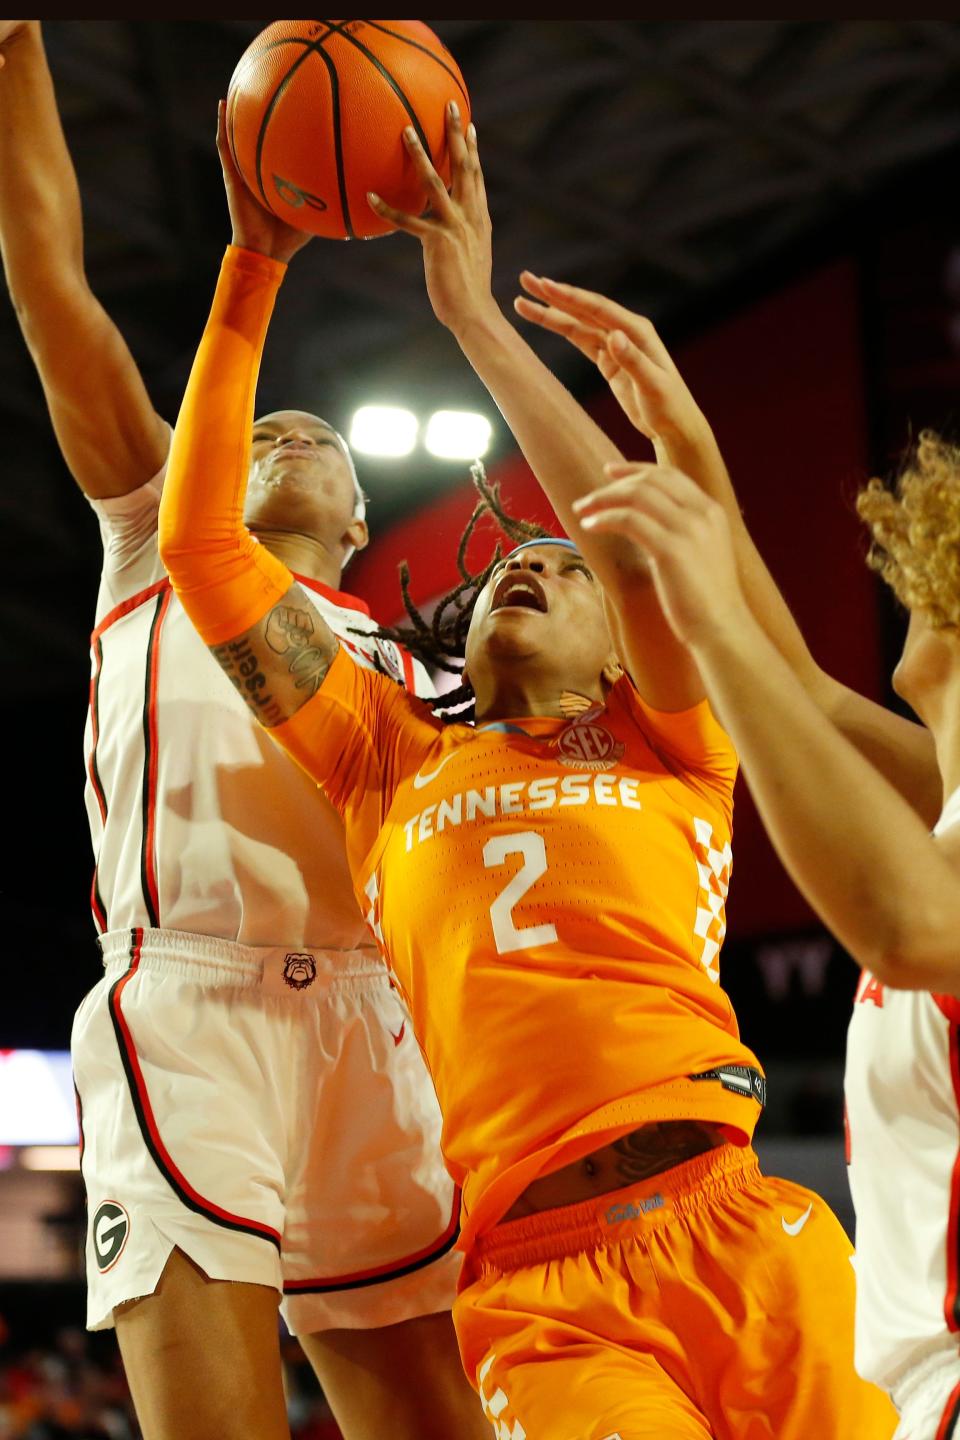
(442, 641)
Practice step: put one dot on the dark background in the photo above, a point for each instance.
(780, 197)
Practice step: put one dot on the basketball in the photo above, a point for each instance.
(316, 111)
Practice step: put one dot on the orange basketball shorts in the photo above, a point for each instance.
(705, 1301)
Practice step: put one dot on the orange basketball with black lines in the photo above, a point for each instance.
(316, 111)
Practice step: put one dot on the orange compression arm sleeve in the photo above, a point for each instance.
(224, 577)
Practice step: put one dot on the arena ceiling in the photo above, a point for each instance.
(670, 163)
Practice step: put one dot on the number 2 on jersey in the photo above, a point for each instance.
(505, 933)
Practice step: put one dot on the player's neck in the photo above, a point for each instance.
(511, 697)
(304, 555)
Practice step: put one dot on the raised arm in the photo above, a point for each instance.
(564, 448)
(112, 439)
(265, 632)
(642, 375)
(857, 850)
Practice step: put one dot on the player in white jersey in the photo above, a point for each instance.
(903, 1115)
(253, 1107)
(859, 851)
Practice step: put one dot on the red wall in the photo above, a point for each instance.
(783, 386)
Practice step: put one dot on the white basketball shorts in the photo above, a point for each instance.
(928, 1394)
(268, 1113)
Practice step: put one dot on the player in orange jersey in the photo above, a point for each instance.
(548, 887)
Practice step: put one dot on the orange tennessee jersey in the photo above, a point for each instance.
(549, 895)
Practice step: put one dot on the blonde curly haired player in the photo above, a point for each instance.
(916, 531)
(548, 888)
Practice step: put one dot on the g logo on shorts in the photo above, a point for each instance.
(110, 1227)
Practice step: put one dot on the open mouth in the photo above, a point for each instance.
(522, 592)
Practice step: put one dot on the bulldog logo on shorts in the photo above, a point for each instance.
(109, 1227)
(299, 970)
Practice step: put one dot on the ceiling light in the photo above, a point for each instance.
(458, 435)
(383, 430)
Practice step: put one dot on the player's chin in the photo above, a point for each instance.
(301, 473)
(518, 632)
(519, 619)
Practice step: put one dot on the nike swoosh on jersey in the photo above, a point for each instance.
(420, 780)
(794, 1227)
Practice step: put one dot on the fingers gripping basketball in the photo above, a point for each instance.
(315, 116)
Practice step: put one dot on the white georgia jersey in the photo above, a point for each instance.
(199, 821)
(902, 1087)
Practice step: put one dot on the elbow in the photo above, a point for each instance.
(895, 968)
(31, 316)
(50, 300)
(825, 692)
(174, 537)
(176, 557)
(169, 539)
(906, 970)
(914, 956)
(180, 520)
(169, 555)
(39, 270)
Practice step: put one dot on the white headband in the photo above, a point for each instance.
(359, 499)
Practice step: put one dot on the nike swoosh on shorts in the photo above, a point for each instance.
(794, 1227)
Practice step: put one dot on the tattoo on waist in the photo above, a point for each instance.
(660, 1146)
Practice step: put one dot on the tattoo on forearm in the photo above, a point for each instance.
(289, 632)
(264, 681)
(660, 1146)
(238, 659)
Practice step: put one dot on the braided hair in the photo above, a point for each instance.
(441, 642)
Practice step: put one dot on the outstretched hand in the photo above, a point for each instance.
(254, 227)
(626, 349)
(686, 538)
(455, 234)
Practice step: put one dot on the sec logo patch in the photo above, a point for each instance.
(586, 745)
(110, 1228)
